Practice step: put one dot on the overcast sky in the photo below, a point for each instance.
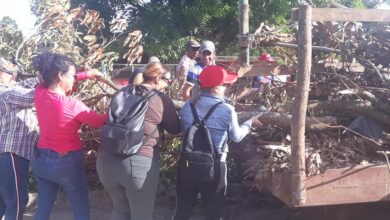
(19, 10)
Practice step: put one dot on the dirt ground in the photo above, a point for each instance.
(244, 206)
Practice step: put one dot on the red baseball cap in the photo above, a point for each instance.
(266, 57)
(212, 76)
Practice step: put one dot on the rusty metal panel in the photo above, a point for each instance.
(362, 183)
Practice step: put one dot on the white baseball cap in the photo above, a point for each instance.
(208, 45)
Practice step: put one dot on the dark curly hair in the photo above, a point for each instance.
(50, 64)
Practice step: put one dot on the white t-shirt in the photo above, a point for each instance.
(185, 65)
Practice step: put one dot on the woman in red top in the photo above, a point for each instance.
(59, 158)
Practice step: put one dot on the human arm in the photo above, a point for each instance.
(183, 71)
(238, 132)
(89, 74)
(22, 95)
(186, 91)
(170, 119)
(30, 83)
(86, 115)
(191, 80)
(80, 76)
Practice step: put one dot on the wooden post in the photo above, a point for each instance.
(298, 175)
(243, 33)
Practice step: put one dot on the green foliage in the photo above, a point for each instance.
(10, 37)
(166, 24)
(272, 12)
(352, 3)
(169, 157)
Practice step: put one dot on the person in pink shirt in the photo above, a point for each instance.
(58, 160)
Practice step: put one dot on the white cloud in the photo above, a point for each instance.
(19, 10)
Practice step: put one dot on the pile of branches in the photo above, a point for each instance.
(348, 46)
(97, 95)
(346, 125)
(348, 116)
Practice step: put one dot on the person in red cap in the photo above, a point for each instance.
(258, 81)
(222, 125)
(266, 57)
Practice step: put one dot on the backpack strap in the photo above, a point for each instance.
(147, 96)
(208, 114)
(211, 111)
(194, 113)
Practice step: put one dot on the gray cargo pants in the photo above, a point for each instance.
(131, 182)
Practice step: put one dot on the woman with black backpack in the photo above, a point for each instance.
(130, 173)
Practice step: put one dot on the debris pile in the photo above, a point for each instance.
(348, 115)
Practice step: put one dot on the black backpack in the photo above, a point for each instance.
(123, 134)
(198, 158)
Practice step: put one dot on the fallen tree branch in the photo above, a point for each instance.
(96, 98)
(368, 96)
(317, 48)
(344, 77)
(283, 120)
(109, 83)
(355, 108)
(377, 72)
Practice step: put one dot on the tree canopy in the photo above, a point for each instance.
(167, 24)
(10, 37)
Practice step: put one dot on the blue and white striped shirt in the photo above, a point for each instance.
(18, 123)
(193, 80)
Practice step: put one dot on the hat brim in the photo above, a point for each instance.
(8, 71)
(207, 49)
(230, 78)
(266, 57)
(270, 60)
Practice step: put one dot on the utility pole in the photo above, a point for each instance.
(298, 163)
(243, 33)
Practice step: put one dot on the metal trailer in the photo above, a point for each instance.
(357, 184)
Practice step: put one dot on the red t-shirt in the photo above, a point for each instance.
(60, 117)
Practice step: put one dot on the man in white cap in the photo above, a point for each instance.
(187, 62)
(207, 58)
(18, 136)
(221, 121)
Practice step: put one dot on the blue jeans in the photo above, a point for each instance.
(53, 171)
(13, 186)
(131, 182)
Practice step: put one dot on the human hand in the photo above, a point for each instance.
(94, 73)
(185, 95)
(164, 81)
(256, 121)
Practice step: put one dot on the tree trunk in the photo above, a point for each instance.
(283, 120)
(355, 108)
